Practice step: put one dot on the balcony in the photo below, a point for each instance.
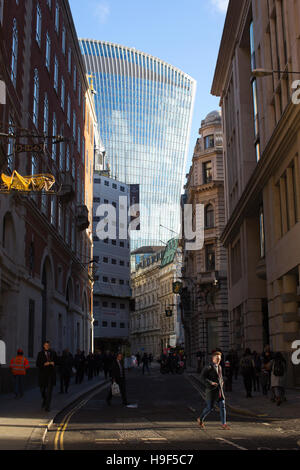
(67, 192)
(82, 219)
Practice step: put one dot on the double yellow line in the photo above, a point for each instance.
(59, 436)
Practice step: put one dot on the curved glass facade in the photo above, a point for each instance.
(144, 108)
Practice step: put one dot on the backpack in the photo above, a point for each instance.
(279, 368)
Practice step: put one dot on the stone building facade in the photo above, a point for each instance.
(151, 330)
(205, 269)
(46, 240)
(262, 157)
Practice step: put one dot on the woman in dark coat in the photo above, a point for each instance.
(65, 370)
(46, 361)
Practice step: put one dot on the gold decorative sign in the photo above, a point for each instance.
(34, 148)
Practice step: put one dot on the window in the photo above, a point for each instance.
(63, 40)
(105, 260)
(57, 17)
(10, 148)
(122, 306)
(113, 305)
(36, 88)
(79, 93)
(61, 153)
(96, 199)
(14, 54)
(209, 142)
(209, 216)
(46, 116)
(261, 233)
(74, 126)
(62, 94)
(121, 282)
(122, 325)
(207, 172)
(60, 219)
(68, 158)
(54, 133)
(114, 186)
(34, 164)
(53, 211)
(69, 111)
(113, 280)
(122, 263)
(106, 183)
(49, 3)
(122, 244)
(113, 324)
(104, 324)
(113, 261)
(75, 78)
(210, 257)
(38, 33)
(48, 51)
(105, 279)
(55, 84)
(69, 60)
(105, 304)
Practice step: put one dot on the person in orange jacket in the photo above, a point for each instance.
(18, 367)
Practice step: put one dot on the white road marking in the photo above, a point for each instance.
(230, 443)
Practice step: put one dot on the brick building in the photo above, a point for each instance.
(46, 240)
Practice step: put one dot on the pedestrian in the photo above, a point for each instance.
(107, 363)
(65, 370)
(278, 378)
(79, 364)
(145, 361)
(199, 361)
(150, 359)
(90, 365)
(46, 361)
(247, 371)
(138, 358)
(266, 359)
(212, 378)
(118, 376)
(257, 371)
(19, 366)
(228, 372)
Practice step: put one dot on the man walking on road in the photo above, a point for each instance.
(212, 378)
(118, 376)
(18, 367)
(46, 361)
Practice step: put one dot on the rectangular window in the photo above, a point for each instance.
(209, 142)
(113, 324)
(53, 211)
(210, 257)
(63, 40)
(62, 94)
(38, 33)
(122, 325)
(69, 111)
(14, 54)
(55, 84)
(104, 324)
(70, 60)
(57, 17)
(207, 172)
(48, 51)
(262, 233)
(75, 78)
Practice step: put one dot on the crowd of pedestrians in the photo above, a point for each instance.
(265, 372)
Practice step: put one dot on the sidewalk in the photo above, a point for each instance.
(23, 424)
(259, 405)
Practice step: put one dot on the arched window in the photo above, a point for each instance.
(209, 216)
(36, 89)
(14, 54)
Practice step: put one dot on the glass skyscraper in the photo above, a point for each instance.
(144, 108)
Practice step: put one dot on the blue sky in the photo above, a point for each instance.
(185, 33)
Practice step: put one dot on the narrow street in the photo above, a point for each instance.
(165, 419)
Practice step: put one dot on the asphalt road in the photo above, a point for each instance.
(165, 419)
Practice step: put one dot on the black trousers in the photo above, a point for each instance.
(248, 384)
(122, 385)
(64, 383)
(46, 392)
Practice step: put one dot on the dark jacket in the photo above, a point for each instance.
(116, 372)
(46, 374)
(208, 376)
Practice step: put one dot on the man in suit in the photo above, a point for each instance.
(118, 376)
(46, 362)
(212, 379)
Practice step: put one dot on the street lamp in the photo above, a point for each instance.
(258, 73)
